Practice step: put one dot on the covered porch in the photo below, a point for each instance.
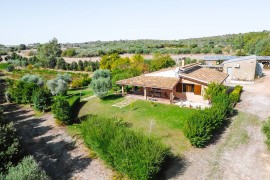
(158, 89)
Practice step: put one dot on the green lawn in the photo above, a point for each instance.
(84, 92)
(164, 121)
(3, 66)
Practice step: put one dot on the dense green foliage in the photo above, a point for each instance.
(235, 94)
(3, 66)
(68, 52)
(134, 154)
(21, 92)
(250, 43)
(212, 90)
(48, 52)
(101, 82)
(9, 143)
(201, 125)
(266, 131)
(27, 169)
(61, 110)
(41, 99)
(160, 61)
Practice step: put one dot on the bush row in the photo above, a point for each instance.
(200, 126)
(64, 109)
(27, 93)
(131, 153)
(235, 94)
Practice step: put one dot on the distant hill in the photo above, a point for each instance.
(233, 44)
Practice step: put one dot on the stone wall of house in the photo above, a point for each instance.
(241, 70)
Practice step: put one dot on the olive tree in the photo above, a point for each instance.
(101, 82)
(60, 84)
(33, 79)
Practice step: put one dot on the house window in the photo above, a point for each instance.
(188, 87)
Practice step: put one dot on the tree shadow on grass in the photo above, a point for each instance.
(173, 166)
(76, 111)
(51, 148)
(111, 97)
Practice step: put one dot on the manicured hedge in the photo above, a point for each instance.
(235, 94)
(61, 110)
(200, 127)
(136, 155)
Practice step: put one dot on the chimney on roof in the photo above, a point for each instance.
(183, 62)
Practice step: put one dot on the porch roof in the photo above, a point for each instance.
(151, 81)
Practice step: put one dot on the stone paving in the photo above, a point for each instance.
(127, 101)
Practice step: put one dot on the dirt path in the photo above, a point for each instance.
(256, 97)
(61, 156)
(240, 153)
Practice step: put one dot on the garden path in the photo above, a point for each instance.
(61, 156)
(127, 101)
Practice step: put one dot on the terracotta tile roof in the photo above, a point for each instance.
(150, 81)
(205, 75)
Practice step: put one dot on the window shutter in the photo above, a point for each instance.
(197, 89)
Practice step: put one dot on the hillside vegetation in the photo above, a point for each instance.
(240, 44)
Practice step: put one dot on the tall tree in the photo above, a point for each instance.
(48, 52)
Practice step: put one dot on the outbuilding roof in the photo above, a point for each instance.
(244, 58)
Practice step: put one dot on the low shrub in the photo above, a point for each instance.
(266, 131)
(136, 155)
(41, 99)
(9, 143)
(21, 92)
(235, 94)
(32, 79)
(10, 68)
(80, 82)
(3, 66)
(61, 110)
(27, 169)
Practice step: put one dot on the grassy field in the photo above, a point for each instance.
(45, 73)
(83, 92)
(163, 121)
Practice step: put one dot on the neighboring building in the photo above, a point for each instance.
(178, 83)
(242, 69)
(216, 60)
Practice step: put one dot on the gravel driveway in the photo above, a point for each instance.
(255, 98)
(240, 153)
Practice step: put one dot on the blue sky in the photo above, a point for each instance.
(32, 21)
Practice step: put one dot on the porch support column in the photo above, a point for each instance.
(123, 91)
(171, 97)
(145, 92)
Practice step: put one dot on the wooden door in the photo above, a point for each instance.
(197, 89)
